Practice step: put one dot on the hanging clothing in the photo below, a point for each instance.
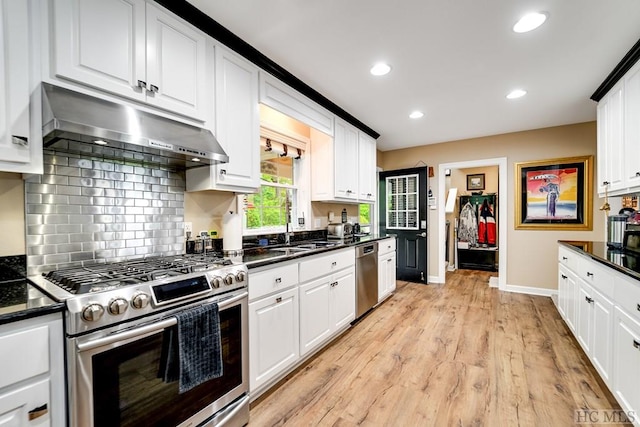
(468, 227)
(486, 225)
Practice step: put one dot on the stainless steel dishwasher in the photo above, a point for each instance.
(366, 277)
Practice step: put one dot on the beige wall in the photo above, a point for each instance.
(204, 209)
(532, 254)
(12, 216)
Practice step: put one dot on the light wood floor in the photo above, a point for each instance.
(460, 354)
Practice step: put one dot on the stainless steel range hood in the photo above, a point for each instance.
(81, 124)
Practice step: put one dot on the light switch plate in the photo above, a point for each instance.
(188, 227)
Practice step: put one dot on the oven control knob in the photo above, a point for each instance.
(140, 300)
(229, 279)
(117, 306)
(216, 282)
(92, 312)
(240, 276)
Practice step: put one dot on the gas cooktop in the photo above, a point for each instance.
(103, 294)
(108, 276)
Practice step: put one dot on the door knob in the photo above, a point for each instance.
(423, 234)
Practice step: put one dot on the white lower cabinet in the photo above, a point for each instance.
(626, 362)
(326, 306)
(601, 307)
(288, 321)
(386, 268)
(273, 325)
(32, 372)
(595, 322)
(567, 296)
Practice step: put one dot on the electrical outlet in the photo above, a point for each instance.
(188, 227)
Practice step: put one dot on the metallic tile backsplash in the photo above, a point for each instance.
(85, 210)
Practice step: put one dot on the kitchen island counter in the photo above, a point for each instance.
(624, 263)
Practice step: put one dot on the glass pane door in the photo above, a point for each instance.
(402, 202)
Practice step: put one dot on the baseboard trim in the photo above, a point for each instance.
(493, 282)
(434, 279)
(544, 292)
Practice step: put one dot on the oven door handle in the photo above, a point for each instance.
(148, 329)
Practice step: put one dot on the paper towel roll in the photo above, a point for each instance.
(232, 232)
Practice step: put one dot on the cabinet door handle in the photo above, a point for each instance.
(334, 263)
(637, 173)
(563, 276)
(223, 171)
(279, 280)
(279, 300)
(564, 258)
(589, 274)
(605, 183)
(636, 344)
(142, 84)
(153, 89)
(38, 412)
(638, 307)
(389, 260)
(589, 300)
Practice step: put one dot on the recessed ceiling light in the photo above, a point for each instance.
(416, 115)
(518, 93)
(530, 22)
(100, 142)
(380, 69)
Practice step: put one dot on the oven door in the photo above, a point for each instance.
(117, 384)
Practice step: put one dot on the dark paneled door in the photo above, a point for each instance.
(403, 212)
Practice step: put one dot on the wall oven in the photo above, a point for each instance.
(115, 341)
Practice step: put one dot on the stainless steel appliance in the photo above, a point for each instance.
(77, 123)
(616, 225)
(366, 277)
(115, 326)
(342, 230)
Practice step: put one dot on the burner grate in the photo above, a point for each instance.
(100, 277)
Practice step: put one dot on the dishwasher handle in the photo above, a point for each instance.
(366, 249)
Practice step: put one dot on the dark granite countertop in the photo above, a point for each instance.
(268, 255)
(626, 263)
(20, 300)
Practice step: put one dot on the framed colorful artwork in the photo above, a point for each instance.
(555, 194)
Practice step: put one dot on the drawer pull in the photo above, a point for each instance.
(636, 344)
(589, 300)
(334, 284)
(638, 307)
(589, 274)
(563, 276)
(334, 263)
(278, 279)
(38, 412)
(564, 258)
(279, 300)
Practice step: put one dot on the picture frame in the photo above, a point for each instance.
(554, 194)
(475, 181)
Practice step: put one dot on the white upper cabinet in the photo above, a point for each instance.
(367, 181)
(237, 127)
(632, 127)
(133, 49)
(343, 168)
(20, 150)
(345, 156)
(283, 98)
(619, 136)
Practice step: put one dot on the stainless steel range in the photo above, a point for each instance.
(118, 319)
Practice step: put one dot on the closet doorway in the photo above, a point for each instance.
(502, 204)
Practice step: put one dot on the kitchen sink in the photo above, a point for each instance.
(290, 250)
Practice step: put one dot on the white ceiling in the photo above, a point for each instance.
(453, 59)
